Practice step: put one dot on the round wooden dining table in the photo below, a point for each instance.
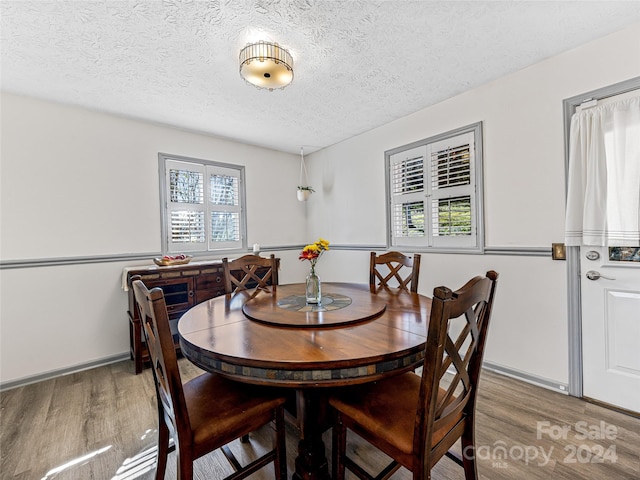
(273, 337)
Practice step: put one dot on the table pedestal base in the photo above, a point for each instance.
(312, 412)
(311, 462)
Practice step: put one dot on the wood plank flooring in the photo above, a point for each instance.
(101, 424)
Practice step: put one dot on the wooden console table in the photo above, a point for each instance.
(184, 286)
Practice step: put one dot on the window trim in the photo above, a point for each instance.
(477, 172)
(163, 158)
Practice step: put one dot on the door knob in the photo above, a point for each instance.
(593, 275)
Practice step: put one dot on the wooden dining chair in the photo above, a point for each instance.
(249, 271)
(386, 267)
(207, 412)
(414, 419)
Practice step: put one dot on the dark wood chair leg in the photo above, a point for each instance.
(280, 463)
(185, 467)
(469, 452)
(339, 449)
(163, 450)
(137, 346)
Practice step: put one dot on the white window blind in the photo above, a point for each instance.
(407, 196)
(186, 209)
(452, 192)
(202, 205)
(224, 209)
(437, 177)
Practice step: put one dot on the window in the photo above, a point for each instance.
(435, 192)
(202, 205)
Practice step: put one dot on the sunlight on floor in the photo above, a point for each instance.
(131, 468)
(76, 461)
(137, 466)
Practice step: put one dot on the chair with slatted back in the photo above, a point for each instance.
(387, 267)
(207, 412)
(249, 271)
(414, 419)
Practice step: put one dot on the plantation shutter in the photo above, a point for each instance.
(407, 192)
(185, 206)
(452, 191)
(203, 206)
(433, 190)
(224, 208)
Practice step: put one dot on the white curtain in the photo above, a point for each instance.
(603, 197)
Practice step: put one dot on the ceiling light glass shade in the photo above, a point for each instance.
(266, 65)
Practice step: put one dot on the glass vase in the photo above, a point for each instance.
(314, 288)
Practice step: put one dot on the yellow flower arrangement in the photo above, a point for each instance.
(314, 251)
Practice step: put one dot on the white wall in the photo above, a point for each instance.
(77, 183)
(55, 318)
(80, 183)
(527, 335)
(523, 194)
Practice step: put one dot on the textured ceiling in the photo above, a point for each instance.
(358, 64)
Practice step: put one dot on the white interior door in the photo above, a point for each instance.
(611, 325)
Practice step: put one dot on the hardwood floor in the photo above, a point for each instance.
(101, 424)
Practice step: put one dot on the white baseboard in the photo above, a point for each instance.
(527, 377)
(63, 371)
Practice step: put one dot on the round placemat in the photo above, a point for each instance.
(328, 303)
(340, 305)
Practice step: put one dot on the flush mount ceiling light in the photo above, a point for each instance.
(266, 65)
